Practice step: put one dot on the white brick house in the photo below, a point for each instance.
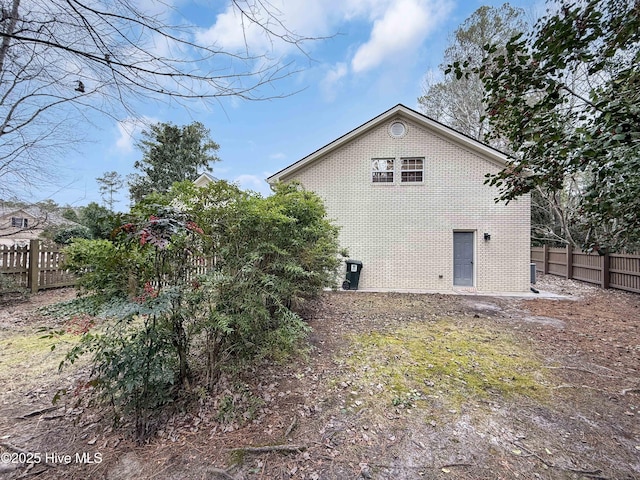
(410, 198)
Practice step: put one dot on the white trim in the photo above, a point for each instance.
(423, 170)
(393, 170)
(204, 179)
(399, 112)
(405, 129)
(474, 269)
(397, 171)
(19, 222)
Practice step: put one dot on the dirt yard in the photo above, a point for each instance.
(396, 386)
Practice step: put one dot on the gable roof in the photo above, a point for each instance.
(399, 111)
(43, 217)
(6, 212)
(204, 179)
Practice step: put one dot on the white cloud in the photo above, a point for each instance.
(253, 182)
(277, 156)
(234, 32)
(125, 139)
(128, 129)
(397, 29)
(311, 18)
(402, 29)
(228, 32)
(331, 81)
(155, 8)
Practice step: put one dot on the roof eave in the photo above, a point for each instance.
(493, 155)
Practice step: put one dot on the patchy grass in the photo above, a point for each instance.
(578, 424)
(33, 353)
(447, 360)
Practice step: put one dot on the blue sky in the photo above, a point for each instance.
(376, 56)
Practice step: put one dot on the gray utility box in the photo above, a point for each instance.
(353, 275)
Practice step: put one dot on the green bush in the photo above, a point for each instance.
(135, 372)
(100, 221)
(64, 235)
(270, 255)
(106, 268)
(10, 289)
(277, 251)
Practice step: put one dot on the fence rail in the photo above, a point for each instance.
(611, 270)
(34, 267)
(37, 268)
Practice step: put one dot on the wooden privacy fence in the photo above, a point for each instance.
(612, 270)
(34, 267)
(37, 268)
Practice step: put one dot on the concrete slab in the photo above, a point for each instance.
(467, 292)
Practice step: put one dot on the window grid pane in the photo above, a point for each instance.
(383, 177)
(411, 170)
(19, 222)
(411, 176)
(382, 170)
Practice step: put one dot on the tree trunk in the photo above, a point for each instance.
(11, 26)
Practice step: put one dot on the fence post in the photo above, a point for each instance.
(569, 261)
(605, 274)
(34, 270)
(545, 259)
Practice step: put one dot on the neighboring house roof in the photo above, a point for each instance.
(6, 212)
(52, 217)
(204, 179)
(399, 111)
(38, 218)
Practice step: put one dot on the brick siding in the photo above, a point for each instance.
(403, 233)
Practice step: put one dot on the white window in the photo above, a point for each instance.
(397, 129)
(19, 222)
(382, 170)
(411, 170)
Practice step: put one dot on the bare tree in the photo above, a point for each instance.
(62, 59)
(458, 102)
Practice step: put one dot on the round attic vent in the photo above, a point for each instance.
(397, 129)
